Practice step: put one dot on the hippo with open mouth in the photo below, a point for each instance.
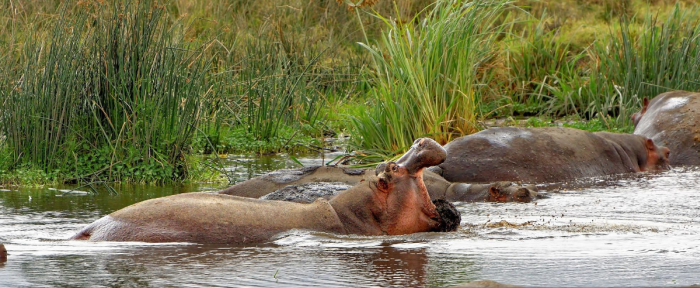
(394, 202)
(672, 119)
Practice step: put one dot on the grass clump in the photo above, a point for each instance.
(661, 55)
(425, 81)
(109, 95)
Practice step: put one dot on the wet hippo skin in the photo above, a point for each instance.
(309, 183)
(672, 119)
(548, 154)
(392, 203)
(267, 183)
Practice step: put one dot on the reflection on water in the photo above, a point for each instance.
(639, 230)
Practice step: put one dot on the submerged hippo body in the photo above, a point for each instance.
(264, 184)
(304, 185)
(494, 192)
(307, 186)
(394, 202)
(549, 154)
(672, 119)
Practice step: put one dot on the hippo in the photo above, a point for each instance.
(264, 184)
(502, 191)
(309, 183)
(395, 202)
(547, 155)
(308, 192)
(672, 119)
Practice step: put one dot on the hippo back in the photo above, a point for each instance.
(276, 180)
(672, 119)
(210, 218)
(548, 154)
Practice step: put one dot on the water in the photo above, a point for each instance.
(638, 230)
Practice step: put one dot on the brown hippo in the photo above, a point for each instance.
(672, 119)
(394, 202)
(503, 191)
(494, 192)
(309, 183)
(548, 154)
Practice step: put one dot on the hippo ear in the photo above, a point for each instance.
(494, 192)
(645, 104)
(650, 145)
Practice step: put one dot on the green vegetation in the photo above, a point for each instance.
(129, 90)
(116, 97)
(426, 76)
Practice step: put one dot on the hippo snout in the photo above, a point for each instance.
(425, 152)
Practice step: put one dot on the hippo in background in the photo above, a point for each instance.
(672, 119)
(548, 154)
(309, 183)
(500, 191)
(395, 202)
(503, 191)
(264, 184)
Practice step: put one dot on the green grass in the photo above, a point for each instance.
(425, 76)
(661, 55)
(131, 90)
(113, 98)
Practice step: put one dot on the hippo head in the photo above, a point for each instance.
(657, 157)
(507, 192)
(404, 205)
(637, 116)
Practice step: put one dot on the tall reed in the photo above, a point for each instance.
(539, 62)
(663, 55)
(118, 92)
(276, 89)
(426, 75)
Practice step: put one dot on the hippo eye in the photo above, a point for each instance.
(394, 168)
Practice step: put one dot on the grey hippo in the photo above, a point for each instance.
(306, 184)
(672, 119)
(548, 154)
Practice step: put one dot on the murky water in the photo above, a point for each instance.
(641, 230)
